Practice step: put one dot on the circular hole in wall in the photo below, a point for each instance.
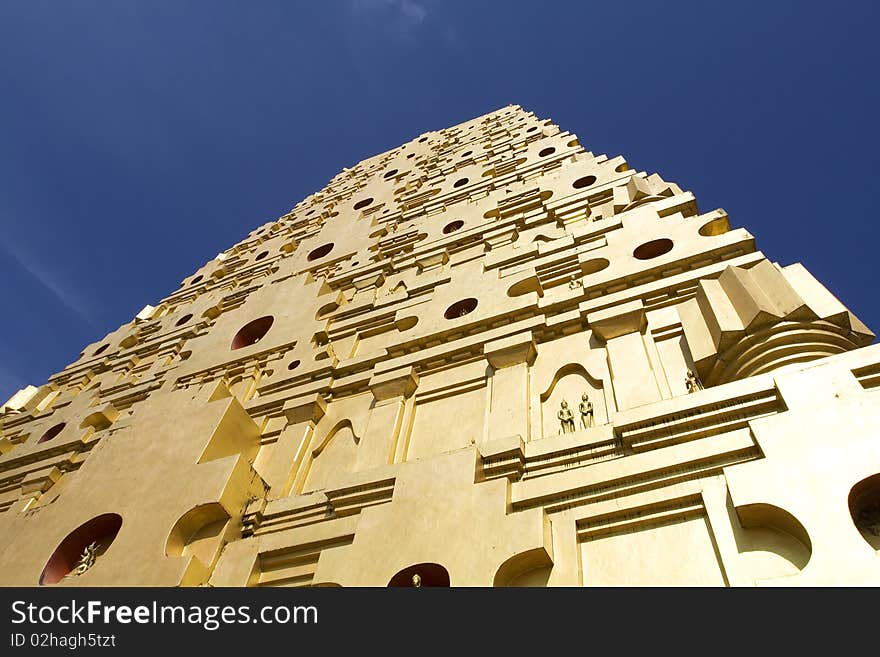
(452, 226)
(262, 255)
(196, 280)
(460, 308)
(252, 332)
(292, 365)
(363, 203)
(410, 155)
(586, 181)
(100, 530)
(620, 168)
(101, 349)
(183, 320)
(532, 129)
(466, 153)
(51, 432)
(653, 249)
(547, 151)
(320, 252)
(864, 507)
(391, 173)
(460, 182)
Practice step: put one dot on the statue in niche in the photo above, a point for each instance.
(692, 382)
(86, 560)
(566, 418)
(586, 409)
(417, 581)
(400, 287)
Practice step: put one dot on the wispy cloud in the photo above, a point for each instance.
(377, 30)
(68, 297)
(401, 18)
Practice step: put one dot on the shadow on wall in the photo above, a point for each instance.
(864, 507)
(771, 542)
(336, 453)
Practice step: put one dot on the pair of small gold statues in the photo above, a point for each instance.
(566, 417)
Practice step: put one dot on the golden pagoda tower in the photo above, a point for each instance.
(487, 357)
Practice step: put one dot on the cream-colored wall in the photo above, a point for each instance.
(679, 553)
(447, 423)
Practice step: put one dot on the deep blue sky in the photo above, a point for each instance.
(139, 139)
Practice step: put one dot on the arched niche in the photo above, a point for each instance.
(717, 226)
(772, 542)
(527, 569)
(864, 508)
(334, 456)
(429, 574)
(199, 532)
(391, 288)
(569, 383)
(526, 286)
(97, 420)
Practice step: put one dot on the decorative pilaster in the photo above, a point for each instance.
(510, 359)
